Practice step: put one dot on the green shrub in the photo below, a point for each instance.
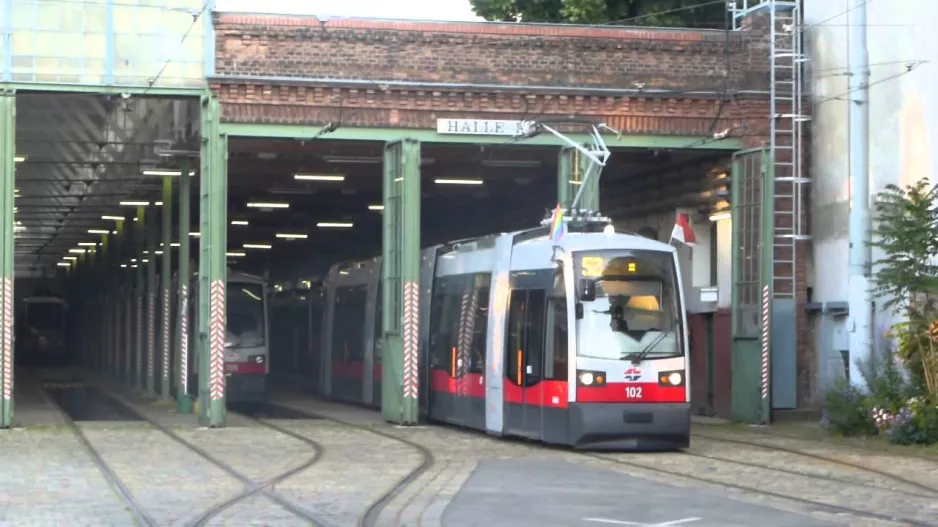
(916, 423)
(847, 410)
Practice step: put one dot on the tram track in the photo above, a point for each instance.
(113, 480)
(318, 451)
(254, 487)
(372, 512)
(930, 490)
(818, 505)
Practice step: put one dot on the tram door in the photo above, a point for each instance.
(524, 362)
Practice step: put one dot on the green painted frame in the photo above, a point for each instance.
(751, 351)
(282, 131)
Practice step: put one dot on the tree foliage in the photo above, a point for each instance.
(906, 278)
(662, 13)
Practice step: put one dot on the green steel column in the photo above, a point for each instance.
(401, 282)
(7, 184)
(565, 172)
(167, 282)
(572, 171)
(152, 286)
(182, 325)
(119, 275)
(139, 291)
(212, 264)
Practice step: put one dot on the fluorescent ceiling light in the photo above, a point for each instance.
(239, 222)
(19, 159)
(319, 177)
(134, 266)
(166, 172)
(98, 231)
(267, 205)
(133, 260)
(146, 260)
(159, 252)
(114, 218)
(134, 203)
(63, 264)
(458, 181)
(236, 254)
(288, 236)
(124, 265)
(159, 203)
(77, 251)
(87, 244)
(336, 225)
(256, 246)
(195, 234)
(375, 207)
(725, 215)
(71, 258)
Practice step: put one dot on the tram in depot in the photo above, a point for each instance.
(580, 341)
(247, 350)
(41, 330)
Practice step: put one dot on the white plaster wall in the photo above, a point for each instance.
(903, 121)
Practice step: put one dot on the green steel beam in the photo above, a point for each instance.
(119, 276)
(401, 282)
(212, 264)
(139, 291)
(7, 184)
(152, 286)
(283, 131)
(183, 278)
(99, 89)
(166, 280)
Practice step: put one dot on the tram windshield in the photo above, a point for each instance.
(245, 326)
(632, 311)
(45, 316)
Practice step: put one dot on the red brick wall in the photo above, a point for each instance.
(268, 66)
(497, 54)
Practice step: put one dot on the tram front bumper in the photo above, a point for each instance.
(628, 426)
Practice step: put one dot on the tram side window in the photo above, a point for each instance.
(555, 362)
(445, 324)
(347, 342)
(555, 366)
(480, 327)
(525, 346)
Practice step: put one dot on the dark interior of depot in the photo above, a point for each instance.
(288, 223)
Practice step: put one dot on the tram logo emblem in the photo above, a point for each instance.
(633, 374)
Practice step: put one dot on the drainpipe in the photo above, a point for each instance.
(860, 299)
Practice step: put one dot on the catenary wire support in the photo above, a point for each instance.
(596, 151)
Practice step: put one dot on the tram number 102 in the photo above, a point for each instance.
(633, 392)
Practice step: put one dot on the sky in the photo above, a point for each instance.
(454, 10)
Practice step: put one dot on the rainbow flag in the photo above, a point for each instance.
(557, 227)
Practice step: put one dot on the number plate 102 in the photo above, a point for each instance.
(633, 392)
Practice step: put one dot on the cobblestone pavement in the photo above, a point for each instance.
(48, 479)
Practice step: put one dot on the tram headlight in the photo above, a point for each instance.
(590, 378)
(671, 378)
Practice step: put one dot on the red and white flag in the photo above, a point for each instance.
(683, 232)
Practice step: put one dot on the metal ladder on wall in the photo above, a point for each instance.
(786, 141)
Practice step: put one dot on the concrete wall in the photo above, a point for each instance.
(903, 132)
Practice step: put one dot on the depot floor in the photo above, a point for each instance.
(346, 465)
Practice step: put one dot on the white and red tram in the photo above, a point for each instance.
(580, 342)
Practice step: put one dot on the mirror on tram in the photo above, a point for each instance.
(587, 290)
